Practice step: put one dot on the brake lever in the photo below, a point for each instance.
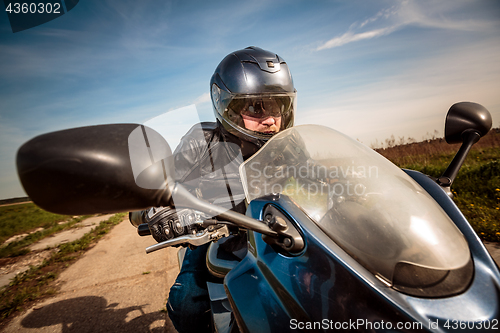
(196, 240)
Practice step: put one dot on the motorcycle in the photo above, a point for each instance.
(338, 237)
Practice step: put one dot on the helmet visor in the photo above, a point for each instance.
(261, 106)
(240, 110)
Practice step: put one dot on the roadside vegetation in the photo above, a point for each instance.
(35, 283)
(477, 187)
(14, 200)
(32, 221)
(22, 218)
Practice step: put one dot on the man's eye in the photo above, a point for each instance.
(252, 109)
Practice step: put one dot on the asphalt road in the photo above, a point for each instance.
(114, 287)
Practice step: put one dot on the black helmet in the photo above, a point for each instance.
(253, 86)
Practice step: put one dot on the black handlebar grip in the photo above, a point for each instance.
(143, 230)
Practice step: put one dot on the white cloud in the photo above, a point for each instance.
(410, 12)
(349, 37)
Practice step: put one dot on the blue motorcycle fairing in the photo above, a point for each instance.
(273, 292)
(325, 287)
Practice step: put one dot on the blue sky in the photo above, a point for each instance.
(367, 68)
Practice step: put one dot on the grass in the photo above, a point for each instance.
(36, 282)
(477, 186)
(23, 218)
(18, 248)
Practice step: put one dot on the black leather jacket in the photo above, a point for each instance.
(207, 163)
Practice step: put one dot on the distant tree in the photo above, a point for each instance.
(375, 145)
(390, 142)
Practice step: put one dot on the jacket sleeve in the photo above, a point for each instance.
(192, 149)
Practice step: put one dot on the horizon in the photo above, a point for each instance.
(429, 139)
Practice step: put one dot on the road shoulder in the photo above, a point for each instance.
(115, 286)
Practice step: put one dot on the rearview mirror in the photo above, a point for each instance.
(466, 123)
(97, 169)
(465, 117)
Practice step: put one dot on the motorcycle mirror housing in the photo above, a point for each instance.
(97, 169)
(466, 117)
(466, 123)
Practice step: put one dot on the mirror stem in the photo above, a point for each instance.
(470, 137)
(183, 198)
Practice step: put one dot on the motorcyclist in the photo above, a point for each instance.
(253, 98)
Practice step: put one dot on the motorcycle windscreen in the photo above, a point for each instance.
(366, 204)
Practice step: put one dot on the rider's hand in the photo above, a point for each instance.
(157, 219)
(166, 223)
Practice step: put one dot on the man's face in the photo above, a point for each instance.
(262, 115)
(267, 125)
